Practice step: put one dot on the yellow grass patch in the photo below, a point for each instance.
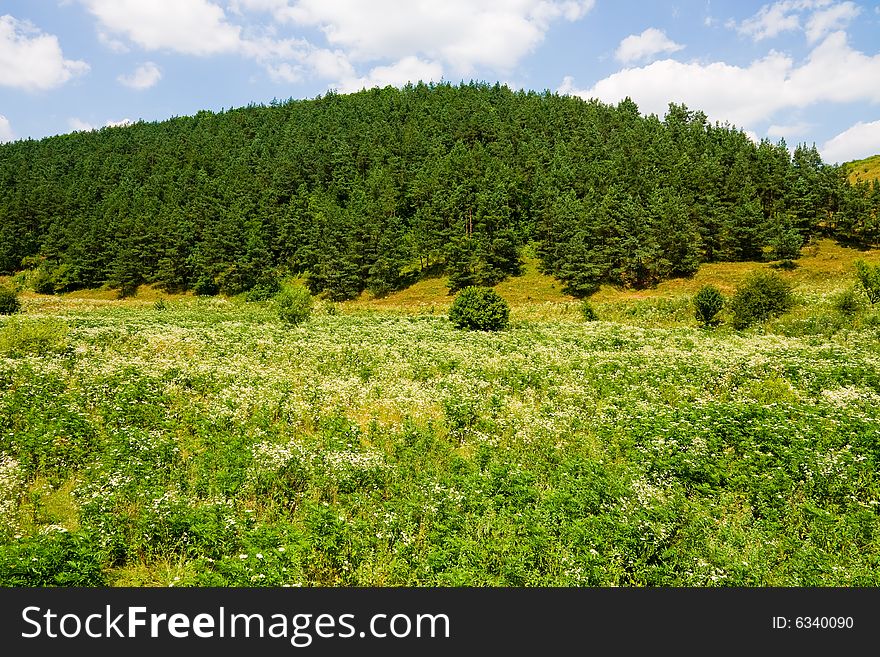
(824, 265)
(45, 505)
(431, 295)
(864, 170)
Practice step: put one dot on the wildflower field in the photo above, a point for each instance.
(204, 442)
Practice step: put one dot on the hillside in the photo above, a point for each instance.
(863, 170)
(376, 190)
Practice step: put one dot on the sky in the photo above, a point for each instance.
(807, 71)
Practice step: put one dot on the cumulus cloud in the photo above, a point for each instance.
(828, 20)
(816, 17)
(745, 95)
(78, 125)
(193, 27)
(771, 20)
(854, 143)
(31, 59)
(406, 70)
(144, 76)
(462, 34)
(638, 47)
(388, 38)
(6, 133)
(280, 9)
(326, 64)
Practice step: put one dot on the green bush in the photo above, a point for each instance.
(588, 312)
(479, 308)
(869, 277)
(9, 303)
(848, 302)
(42, 281)
(265, 288)
(57, 558)
(708, 302)
(206, 287)
(294, 305)
(786, 245)
(763, 295)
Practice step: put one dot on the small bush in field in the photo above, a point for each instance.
(9, 303)
(762, 296)
(294, 305)
(869, 277)
(708, 302)
(848, 302)
(588, 311)
(479, 308)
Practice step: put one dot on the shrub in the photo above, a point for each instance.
(42, 281)
(786, 245)
(9, 303)
(708, 302)
(869, 277)
(479, 308)
(294, 305)
(267, 286)
(588, 312)
(763, 295)
(847, 302)
(56, 558)
(206, 287)
(787, 265)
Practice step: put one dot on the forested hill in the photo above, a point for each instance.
(363, 191)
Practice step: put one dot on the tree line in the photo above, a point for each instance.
(370, 190)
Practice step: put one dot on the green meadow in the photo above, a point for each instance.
(180, 441)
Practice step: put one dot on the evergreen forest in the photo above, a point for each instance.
(372, 190)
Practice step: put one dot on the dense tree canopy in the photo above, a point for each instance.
(363, 191)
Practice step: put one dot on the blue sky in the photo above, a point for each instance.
(802, 70)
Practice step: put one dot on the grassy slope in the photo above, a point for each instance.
(824, 267)
(866, 169)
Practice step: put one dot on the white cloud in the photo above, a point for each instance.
(78, 125)
(31, 59)
(144, 76)
(111, 43)
(462, 34)
(6, 133)
(193, 27)
(772, 20)
(827, 20)
(816, 17)
(408, 69)
(391, 39)
(280, 9)
(855, 143)
(637, 47)
(833, 72)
